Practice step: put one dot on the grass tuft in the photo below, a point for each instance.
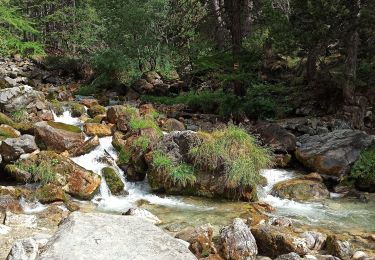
(41, 173)
(144, 123)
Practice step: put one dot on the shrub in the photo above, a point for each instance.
(364, 168)
(236, 151)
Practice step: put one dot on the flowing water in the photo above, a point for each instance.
(334, 213)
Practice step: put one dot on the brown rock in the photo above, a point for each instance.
(99, 130)
(86, 147)
(89, 102)
(7, 203)
(172, 124)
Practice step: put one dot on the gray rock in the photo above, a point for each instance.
(238, 241)
(334, 153)
(20, 220)
(314, 240)
(12, 148)
(144, 214)
(25, 249)
(280, 139)
(12, 99)
(290, 256)
(103, 236)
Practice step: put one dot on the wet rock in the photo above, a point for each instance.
(280, 139)
(143, 213)
(96, 111)
(336, 247)
(104, 236)
(200, 240)
(172, 124)
(100, 130)
(25, 249)
(114, 182)
(290, 256)
(86, 147)
(273, 241)
(12, 148)
(300, 189)
(333, 153)
(238, 241)
(58, 136)
(314, 240)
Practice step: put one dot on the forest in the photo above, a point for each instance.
(187, 129)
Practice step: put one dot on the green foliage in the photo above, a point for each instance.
(144, 123)
(124, 156)
(20, 115)
(237, 151)
(364, 168)
(181, 174)
(142, 142)
(43, 172)
(86, 90)
(12, 29)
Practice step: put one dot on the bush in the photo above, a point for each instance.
(364, 168)
(236, 151)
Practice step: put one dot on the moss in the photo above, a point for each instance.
(7, 132)
(49, 193)
(77, 109)
(57, 107)
(65, 127)
(234, 150)
(124, 156)
(364, 168)
(96, 120)
(4, 119)
(42, 172)
(114, 182)
(96, 110)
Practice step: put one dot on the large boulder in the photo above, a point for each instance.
(300, 189)
(121, 116)
(238, 241)
(50, 167)
(103, 236)
(277, 137)
(332, 154)
(12, 148)
(58, 136)
(12, 99)
(273, 241)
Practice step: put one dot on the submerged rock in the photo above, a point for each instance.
(58, 136)
(333, 153)
(300, 189)
(238, 241)
(111, 237)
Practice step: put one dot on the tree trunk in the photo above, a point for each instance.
(311, 65)
(351, 67)
(215, 8)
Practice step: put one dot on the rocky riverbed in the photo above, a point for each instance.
(62, 154)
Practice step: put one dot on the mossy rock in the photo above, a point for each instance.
(300, 189)
(114, 182)
(16, 192)
(96, 110)
(65, 127)
(7, 131)
(57, 107)
(77, 109)
(49, 193)
(6, 120)
(96, 120)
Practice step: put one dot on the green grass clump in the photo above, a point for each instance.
(181, 174)
(142, 142)
(124, 156)
(20, 115)
(364, 168)
(43, 172)
(65, 127)
(144, 123)
(235, 150)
